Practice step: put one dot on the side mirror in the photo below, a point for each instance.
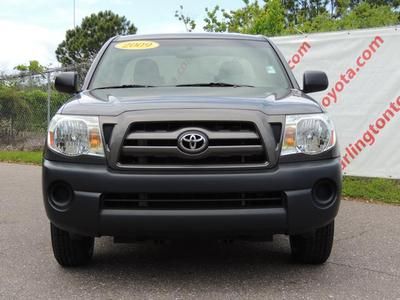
(67, 82)
(314, 81)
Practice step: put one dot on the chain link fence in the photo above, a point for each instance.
(27, 104)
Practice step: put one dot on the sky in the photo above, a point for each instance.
(32, 29)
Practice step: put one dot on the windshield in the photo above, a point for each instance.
(190, 62)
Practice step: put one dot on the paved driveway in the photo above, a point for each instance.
(365, 262)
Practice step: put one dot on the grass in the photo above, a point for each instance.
(28, 157)
(375, 189)
(371, 189)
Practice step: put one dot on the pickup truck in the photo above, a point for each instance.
(191, 136)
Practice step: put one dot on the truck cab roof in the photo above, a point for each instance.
(190, 35)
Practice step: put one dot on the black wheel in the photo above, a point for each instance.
(71, 251)
(314, 248)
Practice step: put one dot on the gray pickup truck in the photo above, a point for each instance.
(191, 136)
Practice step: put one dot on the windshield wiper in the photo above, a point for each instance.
(124, 86)
(215, 84)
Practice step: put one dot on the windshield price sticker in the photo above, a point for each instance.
(137, 45)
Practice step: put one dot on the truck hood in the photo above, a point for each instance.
(112, 102)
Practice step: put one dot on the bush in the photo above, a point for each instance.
(23, 115)
(14, 112)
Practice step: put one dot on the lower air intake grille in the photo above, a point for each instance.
(193, 201)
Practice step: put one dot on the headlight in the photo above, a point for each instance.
(75, 135)
(308, 134)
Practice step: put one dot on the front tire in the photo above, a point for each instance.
(71, 251)
(314, 248)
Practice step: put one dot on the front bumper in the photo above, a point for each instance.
(85, 215)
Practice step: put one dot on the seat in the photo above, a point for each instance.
(147, 73)
(230, 72)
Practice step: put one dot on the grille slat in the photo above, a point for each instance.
(175, 152)
(193, 201)
(153, 144)
(169, 126)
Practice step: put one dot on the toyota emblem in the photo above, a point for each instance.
(193, 142)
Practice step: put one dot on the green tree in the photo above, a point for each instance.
(214, 22)
(365, 15)
(31, 74)
(271, 20)
(391, 3)
(82, 43)
(253, 18)
(321, 23)
(341, 7)
(189, 23)
(34, 67)
(279, 17)
(290, 7)
(309, 9)
(244, 19)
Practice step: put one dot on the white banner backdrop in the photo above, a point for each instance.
(363, 98)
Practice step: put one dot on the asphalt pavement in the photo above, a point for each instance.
(365, 263)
